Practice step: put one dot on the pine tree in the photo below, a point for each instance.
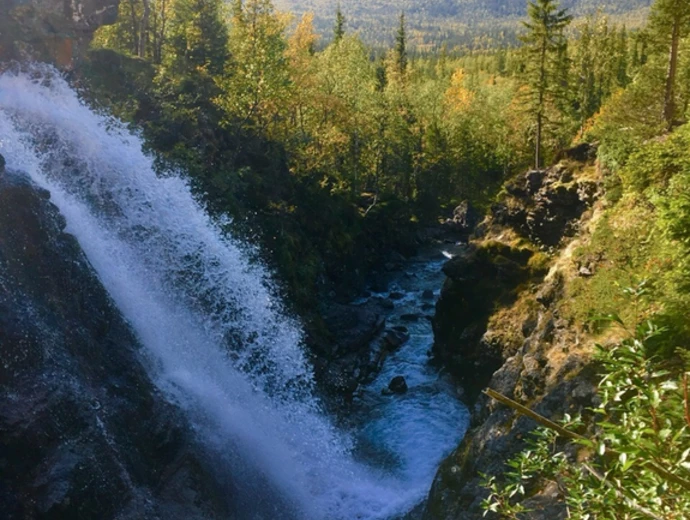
(339, 29)
(544, 42)
(622, 59)
(670, 23)
(401, 48)
(586, 99)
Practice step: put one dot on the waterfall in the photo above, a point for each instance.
(215, 336)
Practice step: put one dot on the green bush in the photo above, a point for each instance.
(658, 161)
(635, 462)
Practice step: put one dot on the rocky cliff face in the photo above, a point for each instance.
(499, 323)
(83, 432)
(53, 31)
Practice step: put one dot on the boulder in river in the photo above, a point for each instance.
(394, 338)
(398, 385)
(428, 294)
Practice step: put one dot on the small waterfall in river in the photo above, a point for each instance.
(215, 336)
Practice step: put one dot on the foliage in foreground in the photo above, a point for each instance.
(635, 464)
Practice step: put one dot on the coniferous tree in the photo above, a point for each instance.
(586, 99)
(670, 23)
(544, 41)
(198, 38)
(401, 47)
(622, 58)
(339, 28)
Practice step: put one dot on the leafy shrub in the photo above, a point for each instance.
(636, 462)
(658, 161)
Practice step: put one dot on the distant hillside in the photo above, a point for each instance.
(476, 23)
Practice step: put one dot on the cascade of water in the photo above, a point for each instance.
(216, 337)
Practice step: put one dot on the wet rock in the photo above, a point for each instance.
(394, 338)
(2, 164)
(396, 295)
(83, 431)
(428, 294)
(428, 307)
(398, 385)
(343, 356)
(387, 304)
(410, 318)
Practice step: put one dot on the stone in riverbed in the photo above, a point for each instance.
(398, 385)
(410, 317)
(396, 338)
(428, 294)
(396, 295)
(2, 163)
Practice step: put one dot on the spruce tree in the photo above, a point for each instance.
(544, 42)
(401, 47)
(670, 23)
(339, 28)
(198, 37)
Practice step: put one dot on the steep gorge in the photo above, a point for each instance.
(522, 340)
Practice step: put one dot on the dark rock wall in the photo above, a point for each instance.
(83, 432)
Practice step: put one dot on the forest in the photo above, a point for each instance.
(456, 24)
(331, 152)
(270, 126)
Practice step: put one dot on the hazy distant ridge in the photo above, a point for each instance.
(457, 21)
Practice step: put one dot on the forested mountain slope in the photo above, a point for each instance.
(449, 22)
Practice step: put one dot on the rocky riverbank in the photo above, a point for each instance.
(500, 323)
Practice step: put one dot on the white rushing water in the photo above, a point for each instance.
(216, 337)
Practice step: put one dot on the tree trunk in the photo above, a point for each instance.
(670, 95)
(144, 28)
(540, 106)
(537, 152)
(135, 28)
